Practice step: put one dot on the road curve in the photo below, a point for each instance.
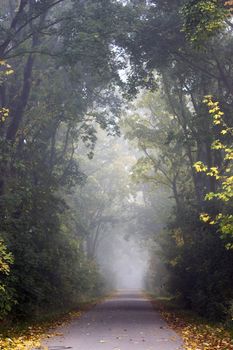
(127, 321)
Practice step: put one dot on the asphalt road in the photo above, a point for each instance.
(125, 322)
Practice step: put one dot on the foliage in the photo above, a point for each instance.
(6, 258)
(202, 19)
(199, 268)
(73, 61)
(52, 105)
(6, 294)
(185, 251)
(34, 225)
(222, 174)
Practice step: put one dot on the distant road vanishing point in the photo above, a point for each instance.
(126, 321)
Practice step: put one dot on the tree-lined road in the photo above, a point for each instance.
(127, 321)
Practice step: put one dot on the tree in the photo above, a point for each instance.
(182, 242)
(202, 19)
(6, 294)
(103, 202)
(56, 99)
(159, 138)
(223, 175)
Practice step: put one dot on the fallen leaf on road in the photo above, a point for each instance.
(30, 338)
(103, 341)
(196, 336)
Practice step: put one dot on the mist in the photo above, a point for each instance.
(123, 261)
(127, 215)
(116, 154)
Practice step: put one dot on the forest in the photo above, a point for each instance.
(116, 154)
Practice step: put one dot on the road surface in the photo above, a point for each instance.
(127, 321)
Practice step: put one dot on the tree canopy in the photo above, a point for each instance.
(75, 76)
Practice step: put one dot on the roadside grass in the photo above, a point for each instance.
(28, 334)
(197, 332)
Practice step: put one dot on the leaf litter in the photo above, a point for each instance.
(196, 334)
(31, 337)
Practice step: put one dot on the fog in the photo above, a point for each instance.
(116, 153)
(123, 214)
(123, 260)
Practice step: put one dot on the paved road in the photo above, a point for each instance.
(125, 322)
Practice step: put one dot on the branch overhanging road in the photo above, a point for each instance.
(127, 321)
